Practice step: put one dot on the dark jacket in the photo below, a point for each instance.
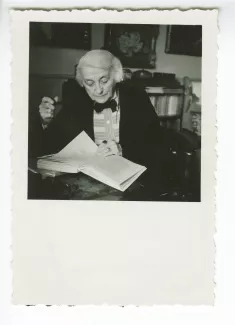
(139, 124)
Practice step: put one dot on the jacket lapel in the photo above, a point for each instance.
(86, 112)
(124, 103)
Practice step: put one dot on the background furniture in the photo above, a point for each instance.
(166, 94)
(168, 104)
(173, 102)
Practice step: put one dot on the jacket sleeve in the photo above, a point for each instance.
(41, 140)
(146, 139)
(62, 129)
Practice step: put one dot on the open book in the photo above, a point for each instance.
(81, 155)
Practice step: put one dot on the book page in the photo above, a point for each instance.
(81, 146)
(131, 180)
(80, 154)
(116, 168)
(58, 165)
(72, 157)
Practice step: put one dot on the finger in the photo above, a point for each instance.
(113, 151)
(48, 100)
(112, 146)
(47, 115)
(56, 98)
(108, 153)
(50, 106)
(46, 106)
(111, 143)
(44, 111)
(102, 145)
(103, 151)
(102, 148)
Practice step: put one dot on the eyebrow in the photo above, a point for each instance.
(102, 77)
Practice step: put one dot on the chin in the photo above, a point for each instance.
(101, 99)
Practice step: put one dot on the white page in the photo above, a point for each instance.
(101, 178)
(72, 157)
(80, 154)
(131, 180)
(81, 146)
(60, 166)
(114, 167)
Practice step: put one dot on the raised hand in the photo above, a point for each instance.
(47, 109)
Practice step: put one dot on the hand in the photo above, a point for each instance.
(47, 109)
(109, 148)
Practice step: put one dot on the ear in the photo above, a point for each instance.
(119, 75)
(118, 70)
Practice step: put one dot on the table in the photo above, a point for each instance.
(170, 176)
(82, 187)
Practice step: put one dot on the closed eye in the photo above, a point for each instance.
(104, 80)
(89, 82)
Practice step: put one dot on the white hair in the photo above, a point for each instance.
(115, 65)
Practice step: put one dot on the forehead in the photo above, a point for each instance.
(94, 73)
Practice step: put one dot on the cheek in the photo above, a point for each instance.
(109, 87)
(89, 90)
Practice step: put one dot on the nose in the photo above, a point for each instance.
(98, 89)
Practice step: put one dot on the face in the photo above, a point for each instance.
(99, 83)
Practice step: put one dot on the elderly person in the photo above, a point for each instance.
(119, 118)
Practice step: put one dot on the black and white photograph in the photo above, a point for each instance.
(114, 111)
(113, 157)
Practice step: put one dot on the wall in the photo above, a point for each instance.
(49, 67)
(181, 65)
(52, 61)
(62, 61)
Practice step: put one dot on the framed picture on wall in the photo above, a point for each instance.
(184, 40)
(134, 45)
(61, 35)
